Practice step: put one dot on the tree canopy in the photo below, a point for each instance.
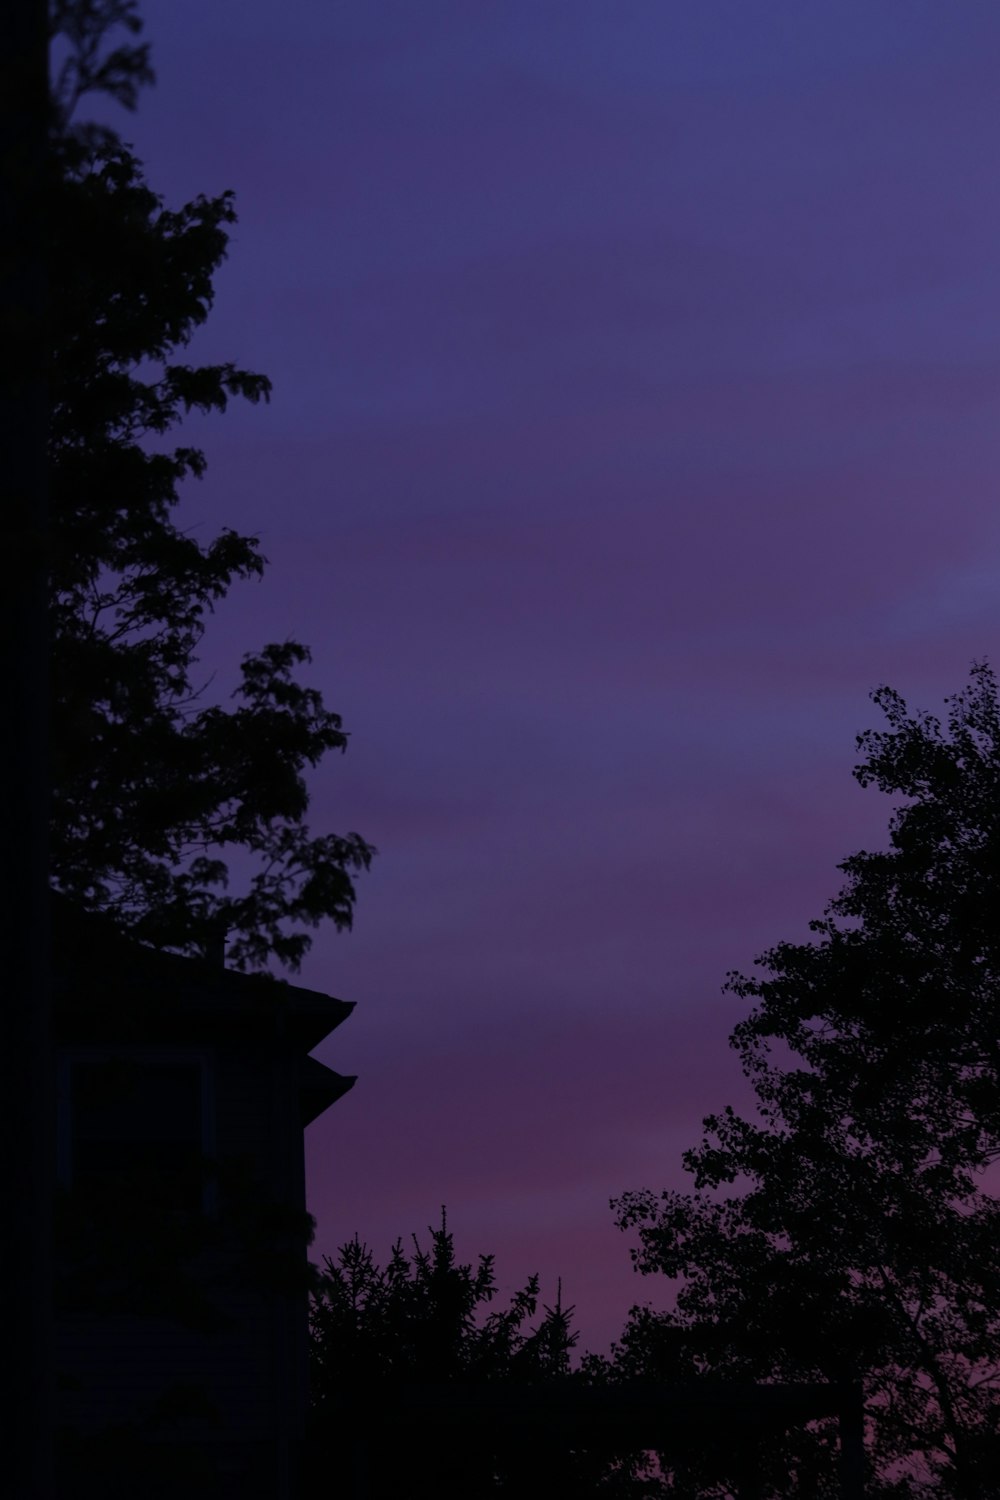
(853, 1228)
(425, 1316)
(155, 789)
(426, 1319)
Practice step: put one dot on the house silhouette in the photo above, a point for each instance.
(183, 1089)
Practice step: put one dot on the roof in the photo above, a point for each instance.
(319, 1087)
(108, 986)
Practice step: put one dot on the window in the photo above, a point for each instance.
(138, 1126)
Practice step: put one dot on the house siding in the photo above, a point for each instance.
(234, 1391)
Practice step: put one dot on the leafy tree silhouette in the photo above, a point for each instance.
(864, 1237)
(153, 791)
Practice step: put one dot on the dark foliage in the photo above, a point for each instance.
(418, 1318)
(426, 1320)
(864, 1237)
(157, 794)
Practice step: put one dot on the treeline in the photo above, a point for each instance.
(850, 1230)
(423, 1325)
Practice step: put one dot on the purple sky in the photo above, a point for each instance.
(637, 371)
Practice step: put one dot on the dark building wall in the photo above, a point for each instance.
(194, 1350)
(251, 1370)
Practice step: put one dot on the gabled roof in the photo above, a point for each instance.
(106, 986)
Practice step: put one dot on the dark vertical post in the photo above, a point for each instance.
(26, 1115)
(852, 1442)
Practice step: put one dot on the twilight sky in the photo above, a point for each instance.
(637, 376)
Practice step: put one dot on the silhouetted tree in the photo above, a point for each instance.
(419, 1318)
(154, 790)
(425, 1319)
(864, 1237)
